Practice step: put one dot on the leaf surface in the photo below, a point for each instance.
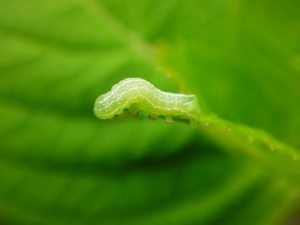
(60, 165)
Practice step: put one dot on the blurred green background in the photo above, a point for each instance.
(59, 165)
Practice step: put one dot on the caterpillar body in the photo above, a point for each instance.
(137, 95)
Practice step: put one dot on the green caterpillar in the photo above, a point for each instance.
(136, 95)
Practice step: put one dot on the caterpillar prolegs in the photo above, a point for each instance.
(138, 96)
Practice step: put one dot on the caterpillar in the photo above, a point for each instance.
(138, 96)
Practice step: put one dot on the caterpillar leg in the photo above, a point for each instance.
(152, 117)
(169, 119)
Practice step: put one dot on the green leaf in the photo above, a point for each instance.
(60, 165)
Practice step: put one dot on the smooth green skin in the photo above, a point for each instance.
(139, 96)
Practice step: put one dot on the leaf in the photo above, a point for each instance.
(246, 72)
(60, 165)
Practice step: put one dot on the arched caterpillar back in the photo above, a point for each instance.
(139, 96)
